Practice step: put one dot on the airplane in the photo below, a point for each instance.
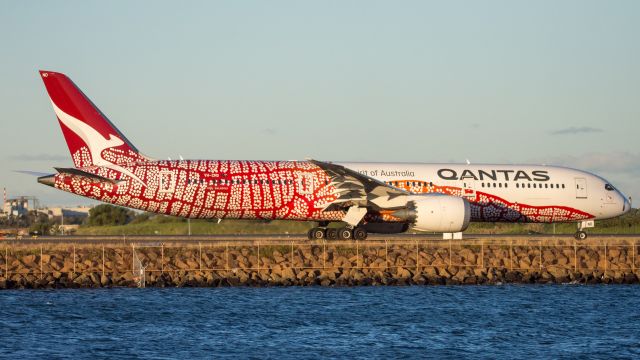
(364, 197)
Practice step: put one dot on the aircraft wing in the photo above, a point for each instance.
(356, 189)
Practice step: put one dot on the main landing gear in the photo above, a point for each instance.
(581, 234)
(344, 233)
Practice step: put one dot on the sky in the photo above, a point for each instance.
(543, 82)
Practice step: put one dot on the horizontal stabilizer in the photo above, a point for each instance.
(78, 172)
(32, 173)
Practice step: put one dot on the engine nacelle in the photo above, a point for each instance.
(437, 213)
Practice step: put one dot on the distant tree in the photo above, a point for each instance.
(105, 214)
(140, 218)
(41, 227)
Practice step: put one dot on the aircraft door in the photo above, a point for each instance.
(167, 181)
(468, 190)
(305, 183)
(581, 188)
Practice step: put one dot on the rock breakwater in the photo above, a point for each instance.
(302, 263)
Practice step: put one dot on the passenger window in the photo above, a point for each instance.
(563, 186)
(500, 185)
(546, 186)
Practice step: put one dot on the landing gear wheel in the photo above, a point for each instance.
(345, 233)
(359, 233)
(316, 234)
(332, 234)
(580, 235)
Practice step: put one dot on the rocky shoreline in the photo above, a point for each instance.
(340, 263)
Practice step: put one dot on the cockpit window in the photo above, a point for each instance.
(609, 187)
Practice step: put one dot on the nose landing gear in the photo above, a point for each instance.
(581, 234)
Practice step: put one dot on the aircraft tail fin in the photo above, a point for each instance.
(92, 139)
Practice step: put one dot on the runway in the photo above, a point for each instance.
(283, 238)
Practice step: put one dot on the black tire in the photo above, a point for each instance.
(359, 233)
(581, 235)
(332, 234)
(345, 233)
(310, 234)
(317, 233)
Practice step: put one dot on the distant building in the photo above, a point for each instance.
(77, 211)
(16, 207)
(20, 206)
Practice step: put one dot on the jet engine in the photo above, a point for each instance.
(437, 213)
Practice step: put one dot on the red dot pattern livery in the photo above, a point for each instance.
(214, 189)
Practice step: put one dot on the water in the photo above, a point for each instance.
(358, 322)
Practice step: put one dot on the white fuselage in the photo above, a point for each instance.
(533, 185)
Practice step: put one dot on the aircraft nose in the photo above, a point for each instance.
(627, 205)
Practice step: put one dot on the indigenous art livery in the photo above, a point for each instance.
(367, 197)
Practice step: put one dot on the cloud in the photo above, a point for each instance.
(573, 130)
(39, 157)
(270, 131)
(614, 162)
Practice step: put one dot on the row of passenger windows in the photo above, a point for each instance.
(523, 186)
(484, 185)
(392, 183)
(239, 181)
(244, 181)
(408, 183)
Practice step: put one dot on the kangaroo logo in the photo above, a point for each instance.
(95, 142)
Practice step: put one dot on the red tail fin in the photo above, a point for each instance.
(92, 139)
